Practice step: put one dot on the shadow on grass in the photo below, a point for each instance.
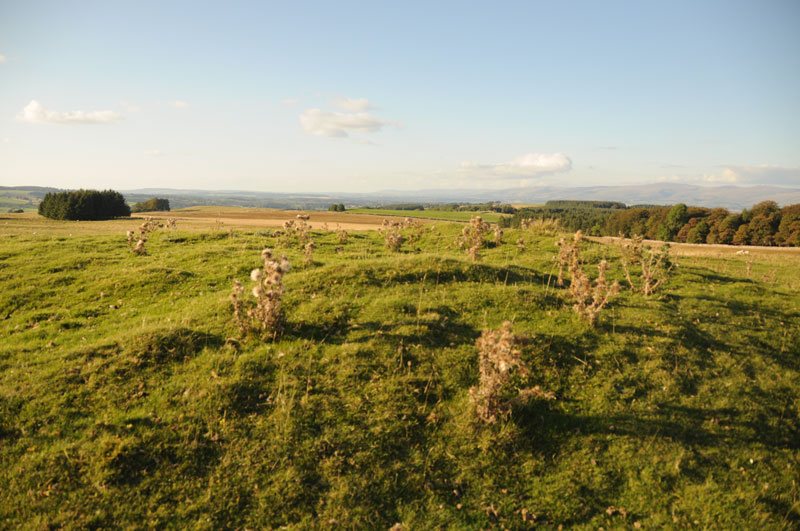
(171, 345)
(422, 271)
(438, 327)
(707, 276)
(155, 450)
(547, 428)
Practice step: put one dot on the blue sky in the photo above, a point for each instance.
(368, 96)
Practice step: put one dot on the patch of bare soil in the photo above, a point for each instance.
(262, 217)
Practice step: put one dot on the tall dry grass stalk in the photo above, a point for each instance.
(265, 314)
(545, 226)
(499, 362)
(654, 265)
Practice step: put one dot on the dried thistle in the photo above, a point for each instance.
(137, 239)
(341, 235)
(520, 244)
(392, 236)
(471, 238)
(498, 235)
(266, 313)
(654, 265)
(568, 256)
(499, 359)
(308, 253)
(591, 297)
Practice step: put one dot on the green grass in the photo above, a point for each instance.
(445, 215)
(16, 199)
(127, 398)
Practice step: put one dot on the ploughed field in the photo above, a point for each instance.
(129, 397)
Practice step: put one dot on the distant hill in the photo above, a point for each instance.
(22, 197)
(731, 197)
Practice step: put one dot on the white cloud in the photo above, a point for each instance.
(3, 58)
(763, 174)
(154, 153)
(743, 175)
(530, 165)
(291, 101)
(35, 113)
(338, 124)
(179, 104)
(352, 104)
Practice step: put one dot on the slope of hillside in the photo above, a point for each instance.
(128, 398)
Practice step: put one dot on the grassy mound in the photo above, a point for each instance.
(129, 399)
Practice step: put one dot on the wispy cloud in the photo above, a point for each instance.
(705, 178)
(291, 101)
(180, 104)
(35, 113)
(339, 124)
(352, 104)
(743, 175)
(529, 165)
(763, 174)
(3, 58)
(154, 153)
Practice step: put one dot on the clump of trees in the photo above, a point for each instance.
(84, 205)
(336, 207)
(764, 224)
(586, 216)
(152, 205)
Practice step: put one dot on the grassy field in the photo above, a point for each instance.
(128, 398)
(17, 199)
(446, 215)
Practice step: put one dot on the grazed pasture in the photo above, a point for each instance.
(128, 397)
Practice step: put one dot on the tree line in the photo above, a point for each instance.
(84, 205)
(764, 224)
